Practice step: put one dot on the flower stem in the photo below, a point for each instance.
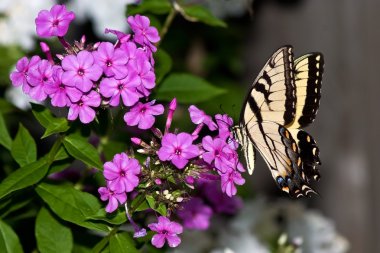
(63, 42)
(168, 22)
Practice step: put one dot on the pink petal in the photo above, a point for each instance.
(173, 240)
(158, 240)
(86, 114)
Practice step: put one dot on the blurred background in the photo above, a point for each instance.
(346, 128)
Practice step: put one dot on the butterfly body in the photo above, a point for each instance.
(283, 99)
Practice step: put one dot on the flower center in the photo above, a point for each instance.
(122, 174)
(142, 110)
(178, 151)
(45, 78)
(61, 86)
(81, 72)
(121, 86)
(109, 63)
(55, 23)
(80, 103)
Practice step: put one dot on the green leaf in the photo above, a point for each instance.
(5, 138)
(51, 123)
(23, 177)
(6, 107)
(79, 148)
(24, 149)
(139, 204)
(51, 235)
(101, 245)
(163, 64)
(187, 89)
(122, 242)
(201, 14)
(153, 6)
(161, 208)
(71, 204)
(9, 241)
(115, 218)
(111, 148)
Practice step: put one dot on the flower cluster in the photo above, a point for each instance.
(88, 76)
(191, 177)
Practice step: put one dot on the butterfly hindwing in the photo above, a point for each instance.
(309, 153)
(280, 152)
(273, 95)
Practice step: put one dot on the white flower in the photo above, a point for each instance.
(17, 21)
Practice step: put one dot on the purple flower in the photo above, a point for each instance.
(122, 172)
(38, 77)
(20, 75)
(111, 60)
(54, 22)
(224, 123)
(178, 149)
(228, 181)
(195, 214)
(113, 198)
(143, 69)
(142, 115)
(144, 33)
(82, 107)
(166, 230)
(198, 116)
(219, 201)
(80, 70)
(61, 95)
(126, 88)
(131, 52)
(218, 151)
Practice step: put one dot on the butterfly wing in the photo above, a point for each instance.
(308, 81)
(272, 96)
(280, 152)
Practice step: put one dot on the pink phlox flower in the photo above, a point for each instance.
(124, 88)
(54, 22)
(123, 37)
(166, 231)
(111, 60)
(143, 69)
(61, 95)
(80, 70)
(144, 33)
(113, 198)
(122, 173)
(131, 52)
(198, 116)
(142, 115)
(83, 107)
(20, 75)
(195, 214)
(228, 181)
(38, 77)
(224, 123)
(178, 149)
(217, 151)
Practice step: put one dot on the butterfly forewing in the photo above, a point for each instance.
(308, 80)
(273, 96)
